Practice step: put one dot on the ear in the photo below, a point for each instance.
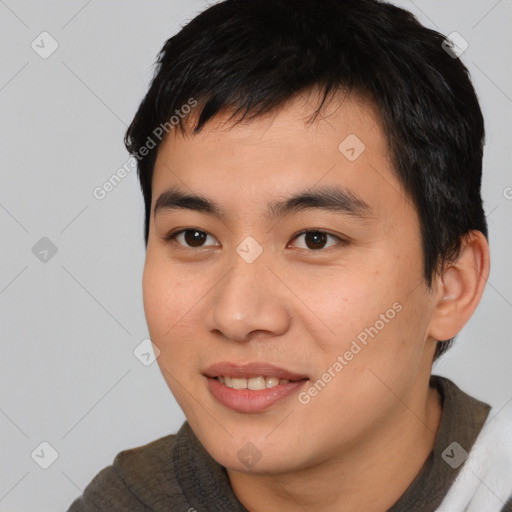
(460, 287)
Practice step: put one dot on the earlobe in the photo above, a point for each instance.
(460, 287)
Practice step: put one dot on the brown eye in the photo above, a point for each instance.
(191, 238)
(316, 240)
(194, 238)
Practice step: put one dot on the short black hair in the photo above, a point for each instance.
(250, 57)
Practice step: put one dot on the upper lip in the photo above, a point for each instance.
(251, 370)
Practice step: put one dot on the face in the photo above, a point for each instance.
(284, 251)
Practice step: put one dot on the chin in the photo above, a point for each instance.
(253, 457)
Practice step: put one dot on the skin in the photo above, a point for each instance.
(359, 443)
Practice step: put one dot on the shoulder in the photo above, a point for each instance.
(491, 463)
(485, 480)
(496, 442)
(137, 478)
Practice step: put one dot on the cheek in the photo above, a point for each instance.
(168, 300)
(344, 303)
(157, 298)
(168, 306)
(373, 319)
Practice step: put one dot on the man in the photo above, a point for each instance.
(315, 240)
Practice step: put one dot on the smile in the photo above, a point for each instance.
(252, 383)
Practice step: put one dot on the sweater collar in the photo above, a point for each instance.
(206, 485)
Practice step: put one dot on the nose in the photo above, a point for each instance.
(248, 302)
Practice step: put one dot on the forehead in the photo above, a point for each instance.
(288, 123)
(281, 152)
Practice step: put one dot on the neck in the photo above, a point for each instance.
(370, 477)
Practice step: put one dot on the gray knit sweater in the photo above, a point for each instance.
(176, 474)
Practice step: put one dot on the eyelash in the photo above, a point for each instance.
(171, 237)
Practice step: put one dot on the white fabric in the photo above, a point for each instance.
(484, 483)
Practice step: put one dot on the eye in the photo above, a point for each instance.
(316, 240)
(191, 238)
(311, 240)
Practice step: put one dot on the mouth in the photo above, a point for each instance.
(251, 387)
(253, 383)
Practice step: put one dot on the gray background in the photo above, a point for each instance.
(69, 325)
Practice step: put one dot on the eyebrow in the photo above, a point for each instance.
(330, 198)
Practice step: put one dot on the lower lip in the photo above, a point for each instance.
(245, 400)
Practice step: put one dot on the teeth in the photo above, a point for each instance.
(253, 383)
(256, 383)
(270, 382)
(238, 383)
